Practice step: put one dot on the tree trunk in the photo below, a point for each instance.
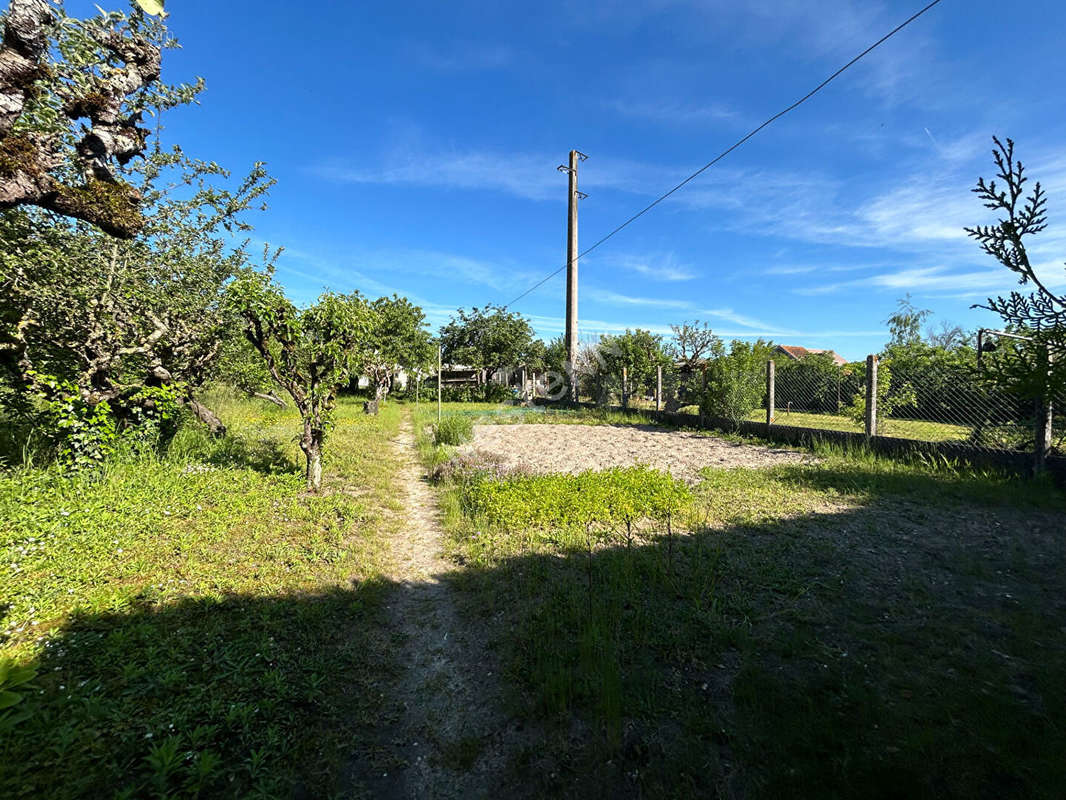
(207, 417)
(311, 444)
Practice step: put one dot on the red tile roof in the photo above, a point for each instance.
(798, 353)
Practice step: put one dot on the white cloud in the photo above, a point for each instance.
(614, 298)
(729, 315)
(530, 176)
(657, 266)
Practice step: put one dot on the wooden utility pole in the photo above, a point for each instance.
(439, 356)
(571, 265)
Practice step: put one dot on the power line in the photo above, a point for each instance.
(731, 148)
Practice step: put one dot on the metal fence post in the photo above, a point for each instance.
(871, 396)
(770, 367)
(658, 389)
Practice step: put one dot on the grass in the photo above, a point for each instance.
(922, 430)
(860, 627)
(856, 627)
(200, 625)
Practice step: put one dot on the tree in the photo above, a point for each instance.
(640, 352)
(692, 345)
(1039, 367)
(488, 338)
(398, 340)
(905, 326)
(310, 352)
(92, 319)
(735, 381)
(55, 73)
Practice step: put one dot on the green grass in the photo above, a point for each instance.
(200, 625)
(922, 430)
(859, 627)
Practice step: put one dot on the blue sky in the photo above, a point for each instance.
(415, 148)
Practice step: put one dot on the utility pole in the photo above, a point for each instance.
(571, 264)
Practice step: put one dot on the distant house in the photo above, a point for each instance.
(797, 353)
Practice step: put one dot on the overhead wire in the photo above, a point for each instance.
(729, 150)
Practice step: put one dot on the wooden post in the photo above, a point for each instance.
(625, 388)
(438, 383)
(871, 396)
(770, 366)
(658, 389)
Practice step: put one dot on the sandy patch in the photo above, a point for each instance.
(575, 448)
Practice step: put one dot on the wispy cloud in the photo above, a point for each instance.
(657, 266)
(675, 112)
(462, 57)
(936, 278)
(729, 315)
(616, 299)
(531, 176)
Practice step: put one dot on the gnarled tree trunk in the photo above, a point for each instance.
(311, 444)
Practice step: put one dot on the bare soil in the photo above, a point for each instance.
(449, 737)
(576, 448)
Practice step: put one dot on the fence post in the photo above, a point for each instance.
(439, 355)
(625, 388)
(1042, 443)
(770, 367)
(871, 396)
(658, 389)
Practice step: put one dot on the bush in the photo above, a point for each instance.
(453, 430)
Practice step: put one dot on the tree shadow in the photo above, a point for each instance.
(263, 454)
(838, 654)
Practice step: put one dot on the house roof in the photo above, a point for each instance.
(796, 352)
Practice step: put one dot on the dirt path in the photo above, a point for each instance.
(450, 736)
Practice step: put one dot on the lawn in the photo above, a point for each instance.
(201, 625)
(855, 628)
(922, 430)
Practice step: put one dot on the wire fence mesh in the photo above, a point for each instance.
(941, 404)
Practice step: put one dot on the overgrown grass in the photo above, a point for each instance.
(200, 625)
(453, 430)
(859, 627)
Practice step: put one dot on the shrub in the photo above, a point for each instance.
(479, 465)
(454, 430)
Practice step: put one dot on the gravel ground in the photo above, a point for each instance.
(575, 448)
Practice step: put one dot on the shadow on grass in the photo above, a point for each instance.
(231, 697)
(820, 656)
(884, 477)
(828, 655)
(241, 450)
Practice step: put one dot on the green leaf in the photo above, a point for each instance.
(8, 699)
